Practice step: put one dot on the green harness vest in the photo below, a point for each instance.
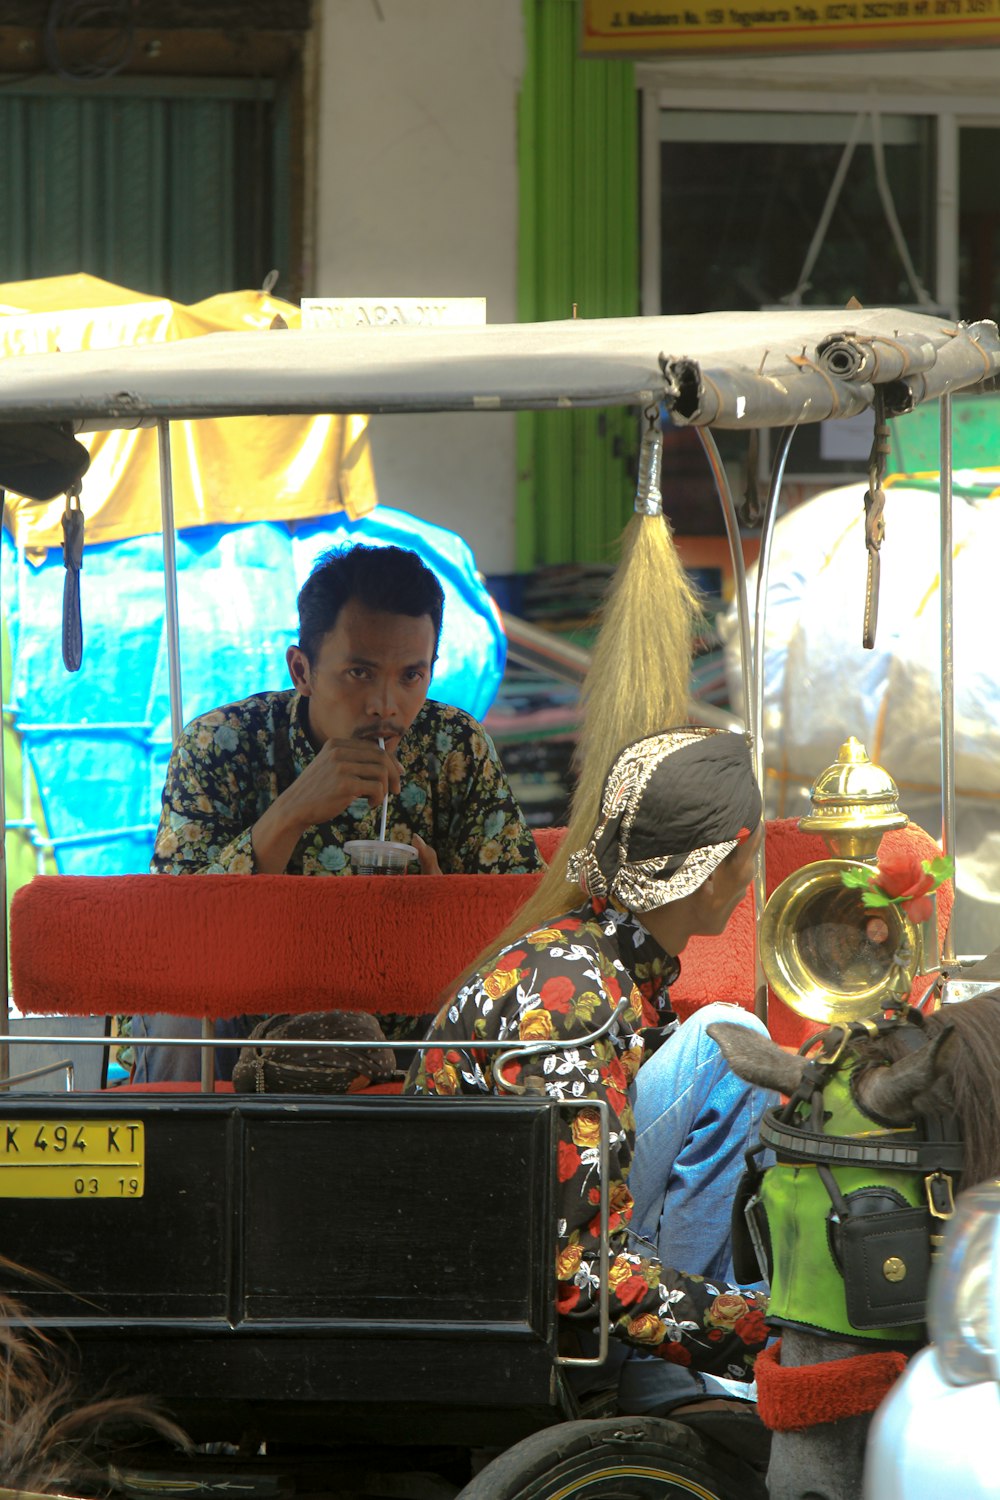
(846, 1220)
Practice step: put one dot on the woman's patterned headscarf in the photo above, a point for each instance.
(673, 806)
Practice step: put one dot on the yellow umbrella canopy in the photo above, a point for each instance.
(225, 471)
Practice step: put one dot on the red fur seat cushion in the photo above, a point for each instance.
(224, 945)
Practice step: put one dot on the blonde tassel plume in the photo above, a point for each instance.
(638, 682)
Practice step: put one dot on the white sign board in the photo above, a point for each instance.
(385, 312)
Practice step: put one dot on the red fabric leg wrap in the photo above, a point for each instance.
(792, 1398)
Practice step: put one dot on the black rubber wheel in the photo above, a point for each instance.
(619, 1458)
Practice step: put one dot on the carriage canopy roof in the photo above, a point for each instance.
(731, 370)
(224, 473)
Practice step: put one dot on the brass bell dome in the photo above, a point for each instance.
(854, 803)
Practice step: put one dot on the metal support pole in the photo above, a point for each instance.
(170, 578)
(947, 668)
(4, 958)
(725, 494)
(174, 663)
(757, 713)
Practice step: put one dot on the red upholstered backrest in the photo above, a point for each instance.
(226, 944)
(548, 841)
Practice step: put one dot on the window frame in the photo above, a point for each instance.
(948, 114)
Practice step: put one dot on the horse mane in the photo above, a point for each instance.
(47, 1435)
(971, 1085)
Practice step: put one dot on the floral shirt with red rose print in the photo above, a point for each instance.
(561, 982)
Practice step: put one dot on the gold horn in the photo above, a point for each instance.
(828, 956)
(825, 954)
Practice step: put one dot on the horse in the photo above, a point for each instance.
(940, 1074)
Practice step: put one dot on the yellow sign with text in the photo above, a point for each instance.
(72, 1158)
(698, 26)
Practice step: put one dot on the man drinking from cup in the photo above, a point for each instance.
(281, 782)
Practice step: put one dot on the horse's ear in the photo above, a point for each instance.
(891, 1093)
(756, 1058)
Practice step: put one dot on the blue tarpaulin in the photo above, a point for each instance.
(99, 740)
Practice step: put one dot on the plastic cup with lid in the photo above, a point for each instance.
(379, 856)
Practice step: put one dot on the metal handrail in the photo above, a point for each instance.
(527, 1049)
(65, 1065)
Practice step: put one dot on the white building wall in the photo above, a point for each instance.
(416, 174)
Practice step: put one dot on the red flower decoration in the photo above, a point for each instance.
(675, 1354)
(904, 880)
(751, 1328)
(568, 1161)
(902, 876)
(567, 1296)
(557, 992)
(918, 909)
(632, 1290)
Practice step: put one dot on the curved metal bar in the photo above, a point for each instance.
(947, 667)
(65, 1065)
(725, 494)
(528, 1049)
(604, 1253)
(4, 955)
(760, 608)
(167, 527)
(757, 714)
(534, 1049)
(538, 1049)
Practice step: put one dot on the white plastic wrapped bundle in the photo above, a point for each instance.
(820, 685)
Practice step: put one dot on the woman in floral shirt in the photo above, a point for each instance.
(671, 856)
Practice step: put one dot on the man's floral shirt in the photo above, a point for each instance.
(561, 982)
(229, 766)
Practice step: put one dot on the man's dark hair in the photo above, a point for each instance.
(392, 579)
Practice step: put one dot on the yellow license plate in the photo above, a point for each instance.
(72, 1159)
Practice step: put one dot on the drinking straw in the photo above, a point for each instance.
(385, 800)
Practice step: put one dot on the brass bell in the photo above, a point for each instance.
(854, 803)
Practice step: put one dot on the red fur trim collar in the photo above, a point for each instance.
(792, 1398)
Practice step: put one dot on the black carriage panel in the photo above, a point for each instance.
(421, 1215)
(166, 1255)
(294, 1262)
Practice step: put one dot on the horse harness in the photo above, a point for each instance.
(884, 1193)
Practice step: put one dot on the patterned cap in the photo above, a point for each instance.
(673, 806)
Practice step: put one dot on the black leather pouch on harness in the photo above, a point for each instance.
(885, 1260)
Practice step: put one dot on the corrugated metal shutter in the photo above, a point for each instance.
(578, 243)
(168, 195)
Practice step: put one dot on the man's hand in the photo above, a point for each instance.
(428, 859)
(341, 771)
